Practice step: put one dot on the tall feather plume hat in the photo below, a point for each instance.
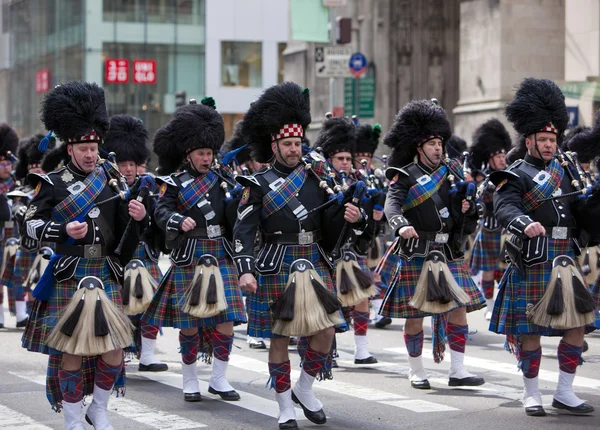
(127, 137)
(239, 143)
(418, 122)
(337, 135)
(585, 141)
(74, 112)
(367, 139)
(9, 141)
(455, 147)
(29, 154)
(489, 139)
(280, 112)
(194, 126)
(538, 106)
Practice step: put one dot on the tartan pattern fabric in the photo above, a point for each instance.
(396, 303)
(275, 200)
(148, 331)
(529, 362)
(189, 195)
(280, 376)
(6, 277)
(45, 314)
(487, 250)
(568, 356)
(271, 287)
(531, 199)
(414, 343)
(313, 361)
(7, 185)
(488, 288)
(457, 336)
(71, 385)
(387, 268)
(421, 192)
(516, 292)
(221, 344)
(151, 266)
(78, 205)
(361, 321)
(106, 374)
(188, 347)
(165, 308)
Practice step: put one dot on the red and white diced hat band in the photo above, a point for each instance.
(549, 128)
(289, 130)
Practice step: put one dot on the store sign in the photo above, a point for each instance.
(144, 71)
(116, 71)
(42, 81)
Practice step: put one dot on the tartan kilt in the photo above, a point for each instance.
(165, 308)
(152, 267)
(389, 268)
(271, 287)
(516, 292)
(396, 303)
(6, 277)
(45, 315)
(23, 262)
(486, 250)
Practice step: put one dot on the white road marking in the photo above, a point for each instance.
(10, 419)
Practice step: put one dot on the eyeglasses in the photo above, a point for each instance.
(349, 159)
(4, 164)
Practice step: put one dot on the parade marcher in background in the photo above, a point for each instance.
(293, 266)
(430, 213)
(8, 146)
(76, 317)
(337, 141)
(491, 142)
(542, 292)
(127, 139)
(200, 290)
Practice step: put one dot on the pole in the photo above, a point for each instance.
(332, 41)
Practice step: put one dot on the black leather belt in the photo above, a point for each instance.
(559, 233)
(304, 238)
(212, 232)
(83, 251)
(434, 237)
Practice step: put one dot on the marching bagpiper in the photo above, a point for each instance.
(542, 292)
(76, 317)
(491, 142)
(432, 215)
(293, 295)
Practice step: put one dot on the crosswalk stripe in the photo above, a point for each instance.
(11, 419)
(348, 389)
(132, 410)
(247, 401)
(508, 368)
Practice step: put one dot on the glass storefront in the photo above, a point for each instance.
(241, 64)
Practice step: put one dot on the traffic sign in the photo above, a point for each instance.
(332, 61)
(358, 65)
(364, 106)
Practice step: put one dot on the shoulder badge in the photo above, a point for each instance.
(504, 181)
(245, 196)
(38, 187)
(163, 189)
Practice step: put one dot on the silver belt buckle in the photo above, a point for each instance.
(441, 238)
(560, 233)
(92, 251)
(9, 224)
(305, 238)
(213, 231)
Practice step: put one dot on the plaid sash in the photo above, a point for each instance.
(275, 200)
(422, 191)
(78, 205)
(7, 185)
(545, 189)
(189, 195)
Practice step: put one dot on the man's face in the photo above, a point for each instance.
(342, 162)
(358, 161)
(255, 166)
(141, 169)
(84, 155)
(129, 170)
(546, 144)
(6, 167)
(201, 159)
(498, 162)
(35, 168)
(431, 153)
(288, 150)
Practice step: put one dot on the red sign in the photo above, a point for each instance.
(42, 80)
(116, 71)
(338, 111)
(144, 71)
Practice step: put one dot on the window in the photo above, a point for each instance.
(157, 11)
(280, 61)
(241, 64)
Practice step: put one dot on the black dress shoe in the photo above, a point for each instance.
(192, 397)
(154, 367)
(258, 345)
(535, 411)
(368, 360)
(471, 381)
(230, 396)
(383, 322)
(317, 417)
(22, 323)
(1, 325)
(290, 424)
(582, 409)
(334, 364)
(585, 346)
(421, 385)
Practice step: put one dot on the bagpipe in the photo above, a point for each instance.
(579, 178)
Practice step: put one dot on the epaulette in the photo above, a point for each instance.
(166, 180)
(500, 175)
(391, 172)
(247, 180)
(35, 178)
